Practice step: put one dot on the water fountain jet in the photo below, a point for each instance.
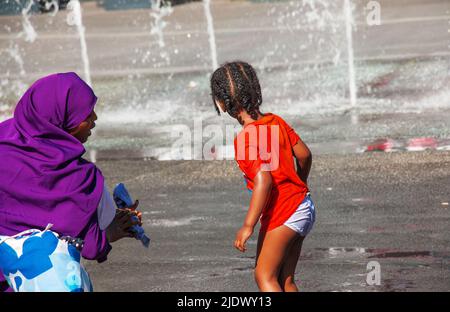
(75, 18)
(28, 30)
(351, 60)
(211, 33)
(160, 9)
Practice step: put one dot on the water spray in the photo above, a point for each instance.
(211, 33)
(74, 18)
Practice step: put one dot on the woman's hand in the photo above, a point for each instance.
(242, 236)
(121, 224)
(138, 213)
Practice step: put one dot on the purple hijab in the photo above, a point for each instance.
(43, 178)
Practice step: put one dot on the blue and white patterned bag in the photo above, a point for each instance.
(38, 261)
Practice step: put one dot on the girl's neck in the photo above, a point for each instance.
(244, 118)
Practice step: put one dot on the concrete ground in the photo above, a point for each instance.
(391, 208)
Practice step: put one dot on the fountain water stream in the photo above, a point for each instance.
(160, 9)
(211, 33)
(349, 22)
(75, 18)
(28, 30)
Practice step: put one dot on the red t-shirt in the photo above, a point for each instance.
(256, 149)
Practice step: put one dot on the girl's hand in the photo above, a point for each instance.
(242, 236)
(121, 224)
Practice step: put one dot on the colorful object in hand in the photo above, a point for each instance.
(123, 200)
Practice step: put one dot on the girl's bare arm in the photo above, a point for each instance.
(260, 196)
(261, 192)
(303, 158)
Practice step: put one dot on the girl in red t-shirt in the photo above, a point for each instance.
(265, 150)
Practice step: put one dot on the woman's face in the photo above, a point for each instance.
(83, 131)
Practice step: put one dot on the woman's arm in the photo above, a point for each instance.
(260, 196)
(303, 158)
(96, 244)
(97, 239)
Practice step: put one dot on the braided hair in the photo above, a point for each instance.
(236, 85)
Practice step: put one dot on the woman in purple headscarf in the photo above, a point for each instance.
(43, 177)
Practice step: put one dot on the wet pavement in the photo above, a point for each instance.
(392, 208)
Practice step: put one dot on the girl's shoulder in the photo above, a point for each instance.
(278, 118)
(267, 119)
(280, 121)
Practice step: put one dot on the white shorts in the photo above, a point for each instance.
(303, 218)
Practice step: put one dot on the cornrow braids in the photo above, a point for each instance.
(236, 85)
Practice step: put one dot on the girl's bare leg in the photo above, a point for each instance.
(273, 249)
(287, 273)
